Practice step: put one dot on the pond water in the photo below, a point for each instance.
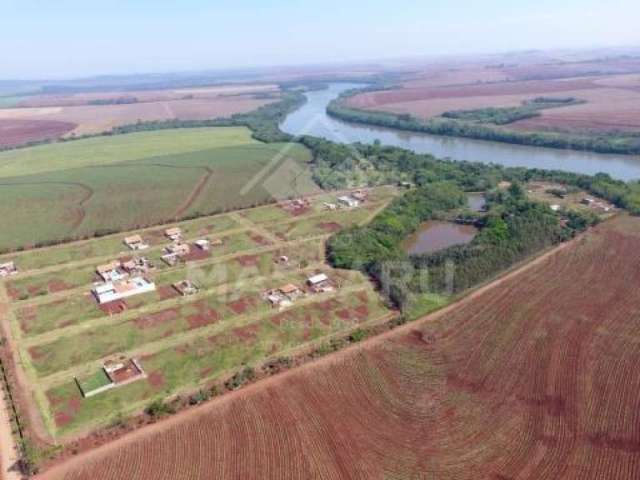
(312, 119)
(434, 235)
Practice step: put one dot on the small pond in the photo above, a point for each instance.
(435, 235)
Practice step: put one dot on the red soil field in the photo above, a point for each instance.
(75, 99)
(15, 131)
(607, 109)
(611, 90)
(91, 119)
(532, 377)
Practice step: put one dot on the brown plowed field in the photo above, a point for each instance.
(613, 102)
(607, 109)
(92, 119)
(18, 131)
(534, 377)
(75, 99)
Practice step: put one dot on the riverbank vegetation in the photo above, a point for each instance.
(337, 166)
(620, 143)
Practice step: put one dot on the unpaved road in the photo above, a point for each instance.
(8, 450)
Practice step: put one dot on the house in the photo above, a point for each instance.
(203, 244)
(179, 249)
(135, 242)
(114, 373)
(112, 291)
(111, 272)
(186, 288)
(123, 371)
(278, 300)
(290, 291)
(174, 234)
(555, 208)
(587, 201)
(405, 184)
(320, 283)
(348, 201)
(359, 195)
(137, 265)
(284, 296)
(170, 259)
(330, 206)
(175, 252)
(7, 269)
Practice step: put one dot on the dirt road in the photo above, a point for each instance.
(8, 449)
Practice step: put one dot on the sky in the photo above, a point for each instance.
(71, 38)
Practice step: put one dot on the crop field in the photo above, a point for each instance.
(534, 376)
(146, 96)
(90, 113)
(612, 102)
(62, 335)
(76, 189)
(20, 131)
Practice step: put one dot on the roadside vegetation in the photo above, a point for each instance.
(339, 166)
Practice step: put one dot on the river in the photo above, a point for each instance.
(312, 119)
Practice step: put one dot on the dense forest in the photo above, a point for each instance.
(513, 229)
(602, 143)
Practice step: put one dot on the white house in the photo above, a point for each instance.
(320, 283)
(112, 291)
(348, 201)
(203, 244)
(7, 269)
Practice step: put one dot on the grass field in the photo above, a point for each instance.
(117, 183)
(535, 377)
(61, 333)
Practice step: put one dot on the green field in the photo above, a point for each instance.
(75, 189)
(182, 343)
